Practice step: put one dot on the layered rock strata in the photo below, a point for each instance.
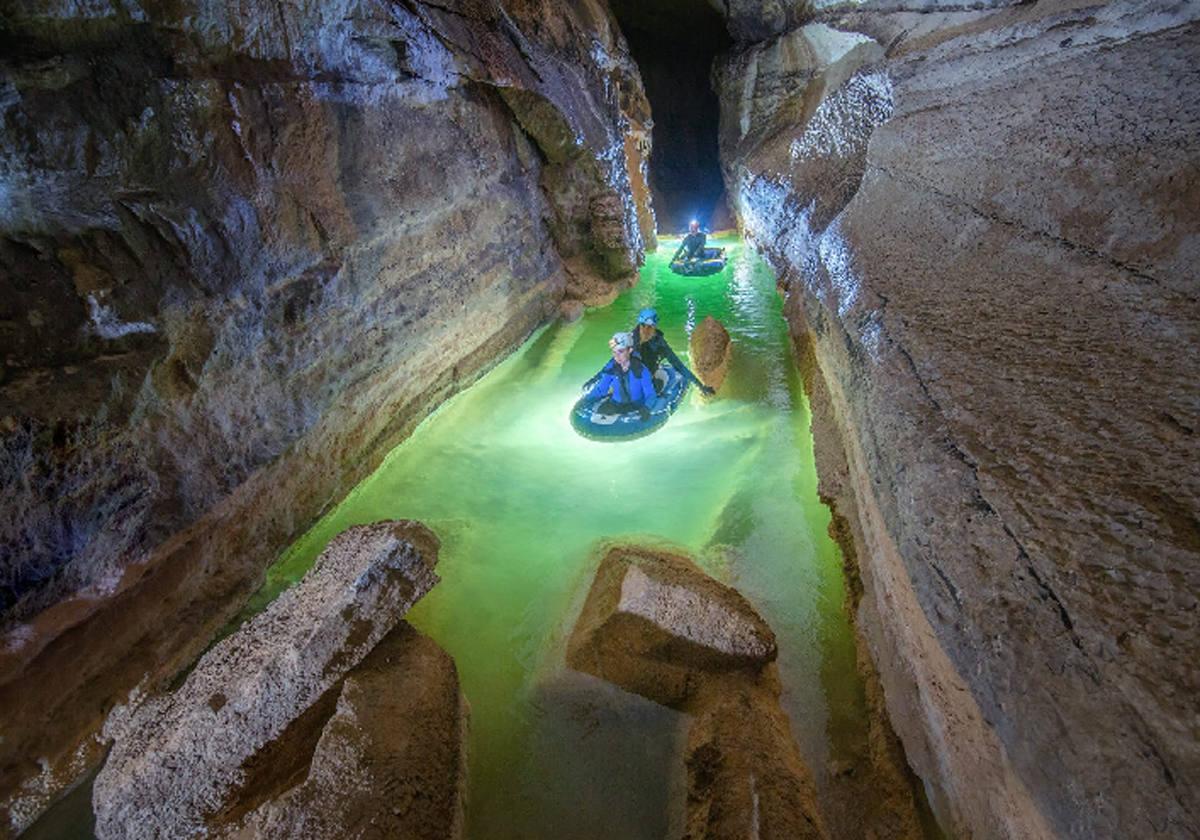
(180, 761)
(709, 349)
(656, 625)
(243, 250)
(979, 218)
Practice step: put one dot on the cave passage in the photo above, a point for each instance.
(520, 502)
(674, 43)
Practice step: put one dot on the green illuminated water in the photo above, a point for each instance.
(520, 502)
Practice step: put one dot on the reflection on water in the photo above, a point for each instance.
(520, 501)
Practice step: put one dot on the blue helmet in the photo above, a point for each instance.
(648, 316)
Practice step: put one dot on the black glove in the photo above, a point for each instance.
(708, 392)
(644, 412)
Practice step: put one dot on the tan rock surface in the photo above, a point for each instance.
(656, 625)
(983, 236)
(709, 349)
(181, 759)
(390, 761)
(745, 775)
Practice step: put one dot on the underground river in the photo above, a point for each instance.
(520, 502)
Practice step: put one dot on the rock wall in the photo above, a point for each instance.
(984, 223)
(243, 251)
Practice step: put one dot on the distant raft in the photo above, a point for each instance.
(712, 262)
(594, 423)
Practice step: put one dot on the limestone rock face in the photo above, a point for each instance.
(179, 760)
(709, 350)
(981, 222)
(745, 775)
(755, 20)
(244, 249)
(390, 761)
(656, 625)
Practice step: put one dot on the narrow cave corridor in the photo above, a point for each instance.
(365, 468)
(675, 44)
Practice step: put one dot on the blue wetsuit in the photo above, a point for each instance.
(628, 389)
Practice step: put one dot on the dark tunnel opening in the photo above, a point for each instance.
(674, 43)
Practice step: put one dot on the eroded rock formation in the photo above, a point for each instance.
(709, 349)
(980, 221)
(243, 250)
(656, 625)
(182, 762)
(389, 762)
(745, 776)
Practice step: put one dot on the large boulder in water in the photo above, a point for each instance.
(710, 349)
(182, 761)
(389, 762)
(656, 625)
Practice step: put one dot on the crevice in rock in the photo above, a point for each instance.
(1022, 555)
(282, 763)
(674, 43)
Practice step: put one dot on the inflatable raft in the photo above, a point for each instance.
(593, 421)
(712, 262)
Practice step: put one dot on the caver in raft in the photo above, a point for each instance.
(633, 395)
(693, 259)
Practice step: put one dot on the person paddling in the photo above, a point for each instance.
(624, 384)
(651, 347)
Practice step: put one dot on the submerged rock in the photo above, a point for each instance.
(181, 760)
(745, 774)
(570, 310)
(389, 762)
(709, 351)
(656, 625)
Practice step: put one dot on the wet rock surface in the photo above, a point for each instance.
(709, 349)
(389, 762)
(181, 760)
(745, 776)
(656, 625)
(977, 216)
(243, 251)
